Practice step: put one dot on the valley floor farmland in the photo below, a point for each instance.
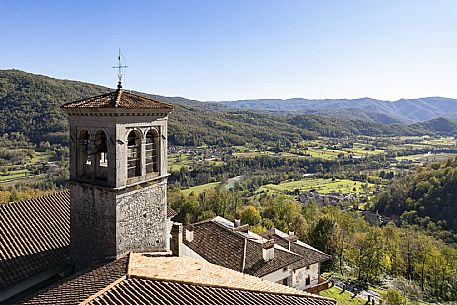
(320, 185)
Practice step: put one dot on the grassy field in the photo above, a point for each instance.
(40, 156)
(252, 153)
(342, 298)
(423, 158)
(177, 161)
(14, 174)
(444, 141)
(321, 185)
(200, 188)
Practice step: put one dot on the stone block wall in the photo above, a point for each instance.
(141, 219)
(93, 224)
(107, 223)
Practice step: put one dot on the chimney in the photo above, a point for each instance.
(268, 250)
(237, 221)
(176, 239)
(190, 233)
(291, 239)
(291, 230)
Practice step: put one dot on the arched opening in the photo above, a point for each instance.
(134, 154)
(101, 155)
(84, 160)
(152, 152)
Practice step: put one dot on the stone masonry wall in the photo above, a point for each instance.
(141, 219)
(93, 224)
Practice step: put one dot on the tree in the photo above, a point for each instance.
(394, 297)
(250, 215)
(367, 254)
(321, 236)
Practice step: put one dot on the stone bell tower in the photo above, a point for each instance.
(118, 175)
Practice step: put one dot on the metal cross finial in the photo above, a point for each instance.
(120, 66)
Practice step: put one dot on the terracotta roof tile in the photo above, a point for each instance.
(145, 291)
(199, 272)
(217, 245)
(255, 264)
(223, 246)
(119, 99)
(309, 254)
(32, 239)
(81, 286)
(145, 278)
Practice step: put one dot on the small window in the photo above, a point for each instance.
(84, 158)
(152, 152)
(308, 281)
(134, 154)
(101, 155)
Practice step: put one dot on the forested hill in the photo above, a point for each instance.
(442, 126)
(427, 198)
(29, 104)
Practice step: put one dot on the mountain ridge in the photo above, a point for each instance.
(29, 104)
(404, 110)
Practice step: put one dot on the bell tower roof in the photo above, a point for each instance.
(119, 99)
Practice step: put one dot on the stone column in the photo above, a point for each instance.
(143, 158)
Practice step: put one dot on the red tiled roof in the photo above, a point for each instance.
(149, 279)
(119, 99)
(220, 245)
(217, 245)
(146, 291)
(32, 239)
(82, 285)
(256, 265)
(309, 254)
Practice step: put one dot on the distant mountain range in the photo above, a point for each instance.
(404, 110)
(29, 104)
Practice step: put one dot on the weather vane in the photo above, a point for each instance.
(121, 65)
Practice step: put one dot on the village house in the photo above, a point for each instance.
(273, 255)
(323, 200)
(110, 239)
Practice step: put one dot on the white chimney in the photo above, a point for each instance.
(268, 250)
(237, 221)
(190, 233)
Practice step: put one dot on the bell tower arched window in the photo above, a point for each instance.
(134, 154)
(152, 151)
(101, 155)
(84, 159)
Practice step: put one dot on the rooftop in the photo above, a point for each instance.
(309, 254)
(220, 244)
(33, 240)
(144, 278)
(119, 99)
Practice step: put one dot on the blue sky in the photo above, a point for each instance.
(240, 49)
